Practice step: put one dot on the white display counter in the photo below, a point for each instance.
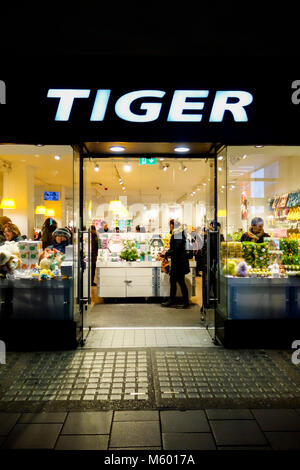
(137, 279)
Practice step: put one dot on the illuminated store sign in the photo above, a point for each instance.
(186, 105)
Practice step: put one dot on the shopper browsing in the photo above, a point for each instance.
(48, 228)
(179, 265)
(12, 233)
(3, 220)
(61, 238)
(256, 231)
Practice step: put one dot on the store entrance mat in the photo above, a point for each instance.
(148, 378)
(148, 337)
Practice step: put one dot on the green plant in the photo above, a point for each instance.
(129, 252)
(237, 236)
(142, 253)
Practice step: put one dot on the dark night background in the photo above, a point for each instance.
(156, 29)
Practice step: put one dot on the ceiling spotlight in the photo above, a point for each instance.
(165, 166)
(123, 188)
(57, 157)
(220, 157)
(117, 148)
(244, 156)
(127, 167)
(220, 169)
(96, 167)
(204, 184)
(259, 146)
(161, 159)
(198, 189)
(181, 149)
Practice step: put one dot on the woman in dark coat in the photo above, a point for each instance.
(95, 246)
(179, 265)
(48, 228)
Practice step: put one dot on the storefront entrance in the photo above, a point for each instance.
(128, 193)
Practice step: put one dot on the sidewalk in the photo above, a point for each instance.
(157, 398)
(218, 429)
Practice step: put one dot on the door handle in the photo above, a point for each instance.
(81, 232)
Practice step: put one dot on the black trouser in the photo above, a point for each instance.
(174, 278)
(93, 271)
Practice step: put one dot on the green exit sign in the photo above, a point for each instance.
(147, 161)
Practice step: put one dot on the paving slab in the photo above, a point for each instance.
(43, 417)
(237, 433)
(277, 420)
(184, 421)
(284, 440)
(88, 422)
(83, 442)
(140, 415)
(228, 414)
(33, 436)
(188, 441)
(135, 434)
(7, 422)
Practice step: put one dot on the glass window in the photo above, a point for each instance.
(260, 257)
(36, 219)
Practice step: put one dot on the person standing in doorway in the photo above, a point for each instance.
(95, 245)
(179, 265)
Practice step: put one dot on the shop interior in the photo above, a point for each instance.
(134, 196)
(145, 185)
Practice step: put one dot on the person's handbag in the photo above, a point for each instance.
(165, 266)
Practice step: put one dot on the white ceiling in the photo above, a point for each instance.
(47, 169)
(142, 182)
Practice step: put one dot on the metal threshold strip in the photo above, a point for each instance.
(147, 328)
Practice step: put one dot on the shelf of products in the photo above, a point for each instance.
(274, 258)
(129, 265)
(27, 260)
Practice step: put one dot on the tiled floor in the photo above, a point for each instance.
(148, 337)
(207, 429)
(158, 377)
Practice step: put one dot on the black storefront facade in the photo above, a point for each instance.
(130, 102)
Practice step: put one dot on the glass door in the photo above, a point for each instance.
(82, 248)
(174, 188)
(211, 243)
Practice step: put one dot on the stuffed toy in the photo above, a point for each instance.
(8, 262)
(242, 269)
(50, 259)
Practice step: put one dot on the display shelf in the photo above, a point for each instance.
(260, 298)
(29, 299)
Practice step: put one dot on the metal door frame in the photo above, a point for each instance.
(83, 155)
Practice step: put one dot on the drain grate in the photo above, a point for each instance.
(221, 375)
(83, 376)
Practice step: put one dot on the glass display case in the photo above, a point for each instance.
(259, 259)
